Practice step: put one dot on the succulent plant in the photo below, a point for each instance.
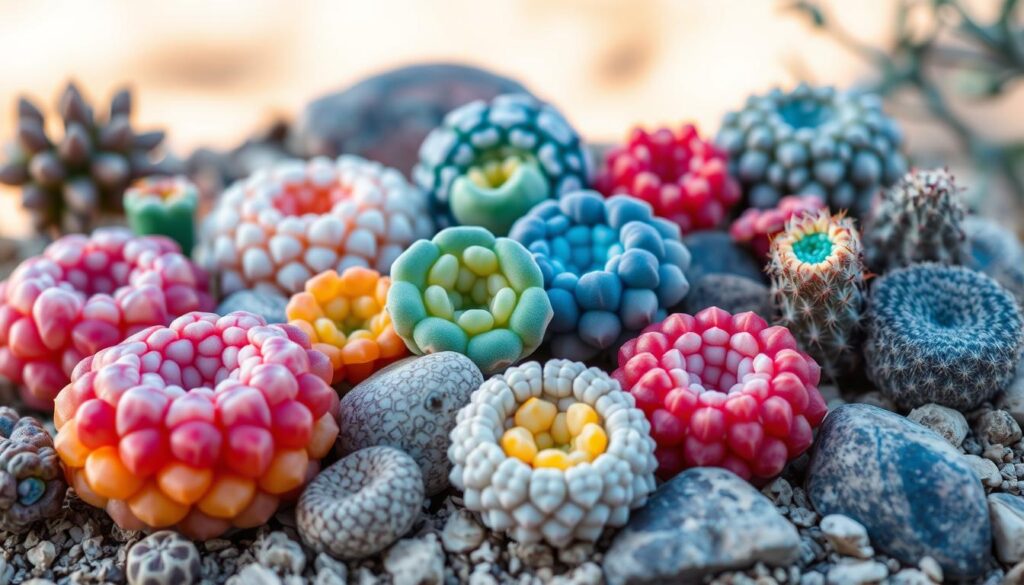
(942, 334)
(683, 177)
(814, 141)
(919, 219)
(32, 485)
(757, 227)
(817, 274)
(997, 252)
(490, 162)
(67, 183)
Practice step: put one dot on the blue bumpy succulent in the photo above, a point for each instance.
(943, 334)
(489, 163)
(610, 268)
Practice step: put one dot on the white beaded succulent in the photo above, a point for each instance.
(282, 225)
(548, 504)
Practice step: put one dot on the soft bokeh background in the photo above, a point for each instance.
(211, 72)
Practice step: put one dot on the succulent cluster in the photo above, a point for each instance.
(682, 176)
(68, 183)
(489, 163)
(756, 227)
(552, 503)
(942, 334)
(610, 268)
(919, 219)
(32, 485)
(997, 252)
(815, 141)
(164, 206)
(723, 390)
(203, 425)
(817, 273)
(86, 293)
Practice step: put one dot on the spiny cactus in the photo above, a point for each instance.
(917, 220)
(817, 274)
(943, 334)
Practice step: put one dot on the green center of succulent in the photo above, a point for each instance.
(497, 191)
(813, 248)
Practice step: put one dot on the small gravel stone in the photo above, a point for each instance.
(462, 533)
(415, 561)
(41, 555)
(986, 471)
(857, 573)
(945, 421)
(932, 568)
(283, 554)
(847, 536)
(997, 427)
(255, 574)
(910, 577)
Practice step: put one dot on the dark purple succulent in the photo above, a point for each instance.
(32, 485)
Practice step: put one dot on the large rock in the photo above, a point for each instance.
(907, 485)
(1007, 513)
(703, 521)
(411, 405)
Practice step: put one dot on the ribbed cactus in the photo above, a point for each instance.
(817, 274)
(919, 219)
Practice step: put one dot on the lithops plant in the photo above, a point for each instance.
(552, 453)
(163, 558)
(817, 274)
(276, 229)
(469, 292)
(610, 268)
(411, 405)
(490, 162)
(32, 485)
(942, 334)
(362, 504)
(919, 219)
(838, 145)
(164, 206)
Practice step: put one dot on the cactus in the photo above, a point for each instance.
(917, 220)
(817, 275)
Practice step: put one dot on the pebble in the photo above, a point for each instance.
(255, 574)
(857, 573)
(997, 427)
(907, 485)
(270, 306)
(945, 421)
(1012, 400)
(462, 533)
(163, 558)
(847, 536)
(910, 577)
(700, 522)
(416, 561)
(986, 471)
(283, 554)
(41, 555)
(931, 567)
(411, 405)
(1007, 513)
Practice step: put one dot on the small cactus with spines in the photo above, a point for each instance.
(919, 219)
(817, 274)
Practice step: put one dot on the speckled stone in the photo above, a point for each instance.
(411, 405)
(714, 252)
(702, 521)
(163, 558)
(268, 305)
(906, 484)
(361, 504)
(945, 421)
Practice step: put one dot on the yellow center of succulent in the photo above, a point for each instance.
(545, 437)
(493, 174)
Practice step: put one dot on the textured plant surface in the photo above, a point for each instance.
(67, 184)
(817, 274)
(32, 485)
(814, 141)
(723, 390)
(469, 292)
(610, 268)
(203, 425)
(344, 317)
(86, 293)
(943, 334)
(164, 206)
(997, 252)
(553, 503)
(919, 219)
(682, 176)
(282, 225)
(489, 163)
(757, 227)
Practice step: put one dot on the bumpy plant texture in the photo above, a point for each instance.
(942, 334)
(723, 390)
(757, 227)
(610, 268)
(469, 292)
(203, 425)
(816, 141)
(683, 177)
(344, 317)
(32, 483)
(997, 252)
(86, 293)
(278, 228)
(489, 163)
(919, 219)
(67, 183)
(817, 274)
(554, 499)
(164, 206)
(544, 437)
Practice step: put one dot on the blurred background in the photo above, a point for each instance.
(212, 73)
